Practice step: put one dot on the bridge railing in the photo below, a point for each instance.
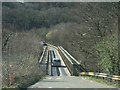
(71, 57)
(72, 64)
(43, 54)
(66, 60)
(47, 63)
(76, 63)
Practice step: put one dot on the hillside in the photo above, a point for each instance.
(89, 31)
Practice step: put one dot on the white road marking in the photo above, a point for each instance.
(49, 77)
(91, 81)
(58, 78)
(60, 72)
(49, 87)
(83, 78)
(66, 70)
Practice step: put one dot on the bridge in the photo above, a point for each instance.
(64, 71)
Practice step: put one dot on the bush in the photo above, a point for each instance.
(20, 59)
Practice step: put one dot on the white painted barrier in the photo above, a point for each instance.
(70, 55)
(41, 58)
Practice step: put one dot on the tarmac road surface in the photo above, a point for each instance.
(67, 82)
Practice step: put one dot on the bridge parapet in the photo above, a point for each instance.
(72, 64)
(66, 60)
(43, 54)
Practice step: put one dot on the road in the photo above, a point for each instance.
(58, 71)
(68, 82)
(60, 77)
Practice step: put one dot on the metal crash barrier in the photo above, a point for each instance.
(102, 76)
